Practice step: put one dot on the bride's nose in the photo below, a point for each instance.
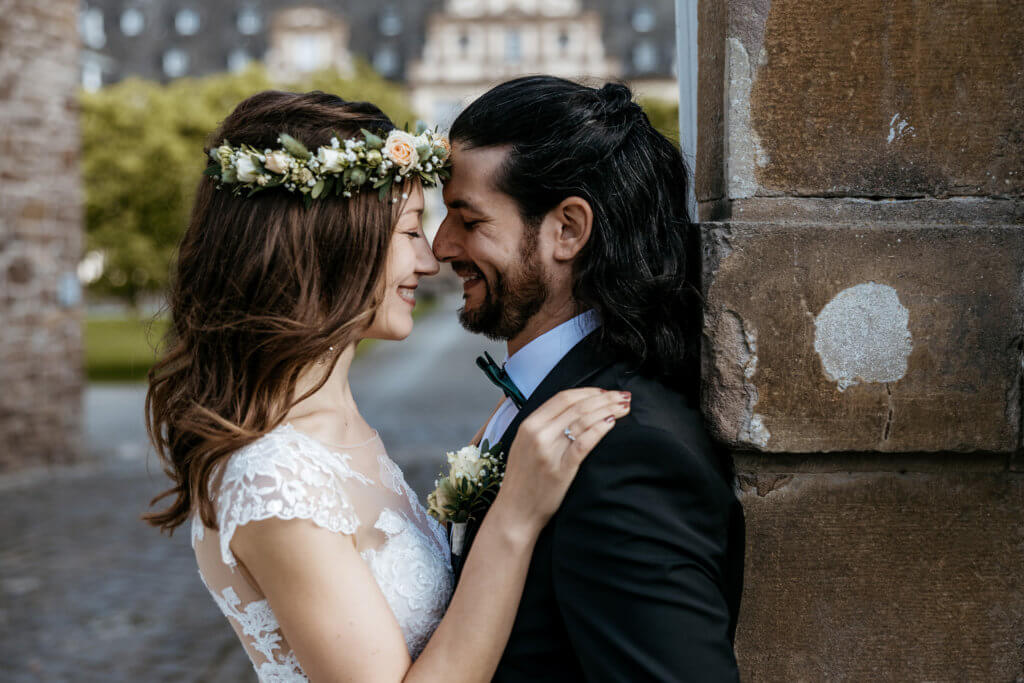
(426, 264)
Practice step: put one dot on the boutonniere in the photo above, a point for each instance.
(474, 477)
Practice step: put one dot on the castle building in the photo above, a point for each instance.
(444, 51)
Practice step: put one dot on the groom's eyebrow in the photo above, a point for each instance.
(463, 204)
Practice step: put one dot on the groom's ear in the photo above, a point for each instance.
(574, 219)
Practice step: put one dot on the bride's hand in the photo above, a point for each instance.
(543, 460)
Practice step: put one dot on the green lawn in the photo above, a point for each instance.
(122, 349)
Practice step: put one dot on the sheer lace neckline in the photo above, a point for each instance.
(333, 447)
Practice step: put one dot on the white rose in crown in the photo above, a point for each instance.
(474, 477)
(246, 169)
(331, 160)
(277, 162)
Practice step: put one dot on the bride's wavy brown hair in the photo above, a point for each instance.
(262, 289)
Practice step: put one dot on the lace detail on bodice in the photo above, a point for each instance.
(288, 475)
(409, 569)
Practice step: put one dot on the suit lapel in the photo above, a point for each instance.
(581, 363)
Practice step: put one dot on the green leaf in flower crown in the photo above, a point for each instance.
(212, 171)
(423, 150)
(294, 147)
(421, 127)
(372, 141)
(318, 189)
(385, 188)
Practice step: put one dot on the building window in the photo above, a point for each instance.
(385, 61)
(513, 46)
(132, 22)
(249, 21)
(309, 51)
(563, 40)
(645, 57)
(390, 22)
(238, 59)
(175, 63)
(91, 27)
(643, 19)
(463, 42)
(92, 76)
(186, 22)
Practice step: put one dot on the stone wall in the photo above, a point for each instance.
(40, 234)
(860, 173)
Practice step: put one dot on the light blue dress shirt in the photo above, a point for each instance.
(528, 366)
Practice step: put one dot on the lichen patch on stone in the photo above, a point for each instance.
(862, 335)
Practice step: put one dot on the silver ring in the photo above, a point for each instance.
(569, 435)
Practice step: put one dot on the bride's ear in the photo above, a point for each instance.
(575, 220)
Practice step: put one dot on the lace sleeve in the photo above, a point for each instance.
(279, 477)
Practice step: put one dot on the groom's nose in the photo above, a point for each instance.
(445, 246)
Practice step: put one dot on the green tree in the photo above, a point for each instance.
(664, 116)
(142, 160)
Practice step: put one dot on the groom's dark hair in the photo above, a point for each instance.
(640, 268)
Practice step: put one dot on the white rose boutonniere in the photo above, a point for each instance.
(474, 477)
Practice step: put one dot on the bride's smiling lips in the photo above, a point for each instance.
(407, 293)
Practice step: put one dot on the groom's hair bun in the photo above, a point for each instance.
(641, 264)
(617, 101)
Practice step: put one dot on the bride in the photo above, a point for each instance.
(305, 238)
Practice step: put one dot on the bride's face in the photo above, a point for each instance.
(409, 259)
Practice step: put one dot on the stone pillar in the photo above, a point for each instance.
(40, 234)
(860, 173)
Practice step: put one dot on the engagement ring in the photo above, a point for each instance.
(569, 435)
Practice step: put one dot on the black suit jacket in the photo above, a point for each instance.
(638, 575)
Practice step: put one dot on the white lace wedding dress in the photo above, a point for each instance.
(358, 491)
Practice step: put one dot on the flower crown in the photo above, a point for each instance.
(347, 166)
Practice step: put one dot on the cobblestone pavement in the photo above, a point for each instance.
(90, 593)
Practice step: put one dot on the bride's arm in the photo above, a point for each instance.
(336, 619)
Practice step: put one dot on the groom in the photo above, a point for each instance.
(567, 222)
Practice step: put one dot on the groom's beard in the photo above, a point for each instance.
(515, 298)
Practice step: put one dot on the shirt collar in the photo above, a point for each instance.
(528, 366)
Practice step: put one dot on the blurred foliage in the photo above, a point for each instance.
(142, 158)
(664, 116)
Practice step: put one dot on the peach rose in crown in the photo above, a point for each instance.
(400, 147)
(442, 148)
(277, 162)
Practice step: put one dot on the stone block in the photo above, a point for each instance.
(872, 98)
(864, 337)
(40, 234)
(884, 577)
